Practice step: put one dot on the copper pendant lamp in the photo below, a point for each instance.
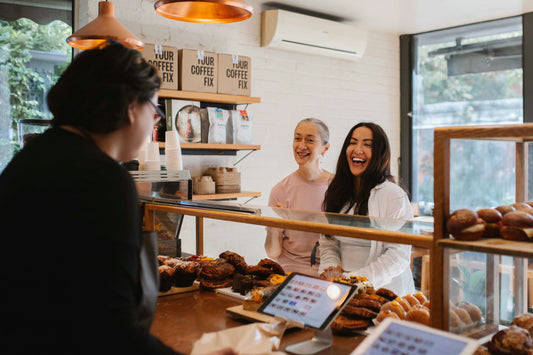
(104, 28)
(204, 11)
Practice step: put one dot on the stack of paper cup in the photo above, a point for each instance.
(173, 151)
(153, 160)
(142, 153)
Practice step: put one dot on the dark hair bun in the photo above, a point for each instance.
(517, 225)
(465, 224)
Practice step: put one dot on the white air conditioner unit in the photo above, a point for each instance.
(296, 32)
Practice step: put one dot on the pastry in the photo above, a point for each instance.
(386, 314)
(504, 209)
(463, 315)
(166, 275)
(405, 305)
(455, 322)
(372, 296)
(185, 273)
(465, 224)
(236, 260)
(366, 303)
(473, 311)
(481, 350)
(511, 341)
(419, 314)
(259, 271)
(358, 312)
(216, 269)
(420, 297)
(492, 217)
(395, 307)
(343, 324)
(522, 206)
(162, 258)
(525, 321)
(517, 225)
(272, 265)
(413, 301)
(211, 284)
(388, 294)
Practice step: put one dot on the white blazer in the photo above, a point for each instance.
(388, 264)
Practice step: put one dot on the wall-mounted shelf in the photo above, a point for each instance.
(225, 196)
(211, 146)
(208, 97)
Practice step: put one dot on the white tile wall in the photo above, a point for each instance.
(292, 86)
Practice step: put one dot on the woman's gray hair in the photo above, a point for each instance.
(322, 128)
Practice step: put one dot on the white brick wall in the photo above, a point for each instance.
(291, 86)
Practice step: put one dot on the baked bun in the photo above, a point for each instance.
(511, 341)
(456, 324)
(166, 278)
(395, 307)
(216, 269)
(481, 350)
(504, 209)
(525, 321)
(463, 315)
(492, 217)
(522, 206)
(465, 224)
(386, 314)
(420, 297)
(413, 301)
(419, 314)
(185, 273)
(236, 260)
(405, 305)
(473, 311)
(517, 225)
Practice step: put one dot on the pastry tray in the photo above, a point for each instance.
(175, 290)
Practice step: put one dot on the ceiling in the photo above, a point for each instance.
(405, 16)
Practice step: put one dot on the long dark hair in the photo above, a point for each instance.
(341, 190)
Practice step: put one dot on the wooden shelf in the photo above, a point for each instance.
(208, 97)
(210, 146)
(225, 196)
(491, 246)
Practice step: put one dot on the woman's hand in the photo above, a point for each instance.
(331, 272)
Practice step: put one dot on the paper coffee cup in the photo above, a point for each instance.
(152, 152)
(152, 165)
(171, 139)
(174, 159)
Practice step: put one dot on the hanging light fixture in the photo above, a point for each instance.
(204, 11)
(103, 28)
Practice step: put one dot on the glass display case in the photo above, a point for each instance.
(491, 273)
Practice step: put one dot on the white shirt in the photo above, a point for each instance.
(384, 264)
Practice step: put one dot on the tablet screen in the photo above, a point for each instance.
(309, 300)
(394, 336)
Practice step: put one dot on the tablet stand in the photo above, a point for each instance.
(321, 340)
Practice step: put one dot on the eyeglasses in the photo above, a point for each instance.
(158, 115)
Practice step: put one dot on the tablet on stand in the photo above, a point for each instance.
(311, 301)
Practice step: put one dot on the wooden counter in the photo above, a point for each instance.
(181, 319)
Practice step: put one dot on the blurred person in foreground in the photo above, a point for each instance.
(72, 262)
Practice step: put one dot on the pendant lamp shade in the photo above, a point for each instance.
(204, 11)
(104, 28)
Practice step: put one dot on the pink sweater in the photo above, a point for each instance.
(296, 193)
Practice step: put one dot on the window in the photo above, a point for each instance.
(33, 54)
(468, 75)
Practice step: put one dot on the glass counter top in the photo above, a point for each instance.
(416, 233)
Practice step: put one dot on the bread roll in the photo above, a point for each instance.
(504, 209)
(511, 341)
(473, 311)
(517, 225)
(418, 314)
(522, 206)
(491, 217)
(465, 224)
(394, 307)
